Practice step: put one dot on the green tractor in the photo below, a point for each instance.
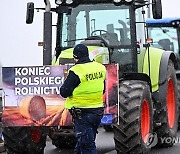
(114, 31)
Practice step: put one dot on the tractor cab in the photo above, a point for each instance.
(107, 28)
(165, 34)
(112, 30)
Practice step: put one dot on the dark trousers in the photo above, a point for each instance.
(86, 129)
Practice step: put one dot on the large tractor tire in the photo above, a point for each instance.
(63, 138)
(167, 108)
(20, 140)
(178, 87)
(131, 134)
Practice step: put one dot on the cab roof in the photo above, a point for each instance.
(164, 22)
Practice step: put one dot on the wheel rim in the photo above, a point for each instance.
(145, 121)
(36, 135)
(171, 103)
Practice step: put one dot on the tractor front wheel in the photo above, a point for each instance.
(131, 134)
(20, 140)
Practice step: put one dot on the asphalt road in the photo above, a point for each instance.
(105, 145)
(172, 150)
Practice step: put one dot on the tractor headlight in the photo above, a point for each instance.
(58, 2)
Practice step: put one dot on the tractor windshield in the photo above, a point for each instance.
(165, 38)
(106, 20)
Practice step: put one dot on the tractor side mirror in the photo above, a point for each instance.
(30, 13)
(157, 9)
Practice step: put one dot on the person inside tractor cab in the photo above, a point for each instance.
(165, 44)
(83, 88)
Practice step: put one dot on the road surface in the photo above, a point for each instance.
(105, 145)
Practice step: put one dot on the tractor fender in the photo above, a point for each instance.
(137, 76)
(158, 60)
(166, 56)
(151, 57)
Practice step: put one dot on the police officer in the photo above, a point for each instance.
(83, 88)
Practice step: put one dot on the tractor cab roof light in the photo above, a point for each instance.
(176, 23)
(69, 1)
(173, 23)
(117, 1)
(58, 2)
(128, 1)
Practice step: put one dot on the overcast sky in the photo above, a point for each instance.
(19, 41)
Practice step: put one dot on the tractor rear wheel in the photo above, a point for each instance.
(167, 109)
(131, 134)
(19, 140)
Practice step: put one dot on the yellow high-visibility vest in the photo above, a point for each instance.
(89, 93)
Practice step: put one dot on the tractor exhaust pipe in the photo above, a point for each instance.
(47, 36)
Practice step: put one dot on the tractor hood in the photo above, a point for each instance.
(99, 54)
